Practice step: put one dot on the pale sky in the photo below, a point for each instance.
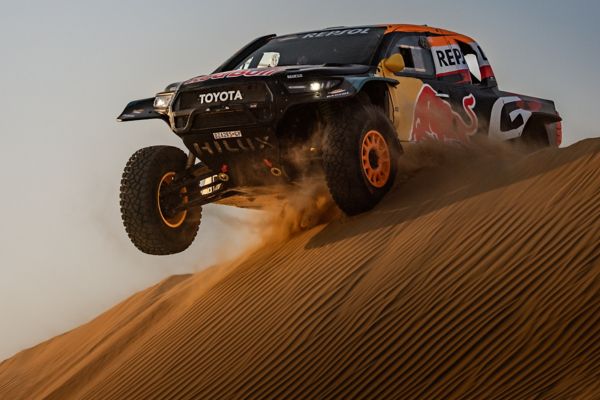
(69, 67)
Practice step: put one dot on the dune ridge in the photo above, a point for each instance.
(478, 278)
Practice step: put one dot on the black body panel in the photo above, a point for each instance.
(140, 110)
(232, 123)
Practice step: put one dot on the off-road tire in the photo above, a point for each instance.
(140, 212)
(346, 127)
(534, 138)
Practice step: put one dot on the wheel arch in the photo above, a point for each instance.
(544, 127)
(300, 121)
(376, 90)
(378, 94)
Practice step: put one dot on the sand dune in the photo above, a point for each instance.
(475, 279)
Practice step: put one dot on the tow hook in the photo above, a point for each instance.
(223, 177)
(276, 171)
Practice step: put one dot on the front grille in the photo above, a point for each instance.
(250, 92)
(253, 108)
(223, 119)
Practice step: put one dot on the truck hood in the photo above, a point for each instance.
(289, 72)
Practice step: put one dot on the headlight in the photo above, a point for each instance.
(313, 86)
(162, 100)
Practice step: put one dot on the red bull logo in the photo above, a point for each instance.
(435, 119)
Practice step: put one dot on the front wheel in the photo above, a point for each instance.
(149, 209)
(360, 153)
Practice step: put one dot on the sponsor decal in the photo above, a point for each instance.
(449, 60)
(434, 118)
(344, 32)
(213, 97)
(299, 87)
(495, 130)
(227, 135)
(236, 74)
(337, 93)
(295, 76)
(233, 145)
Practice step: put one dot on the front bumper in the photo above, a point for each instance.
(234, 125)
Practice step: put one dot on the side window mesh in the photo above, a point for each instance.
(417, 58)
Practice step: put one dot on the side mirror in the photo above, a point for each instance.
(394, 63)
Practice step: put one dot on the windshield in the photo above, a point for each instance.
(343, 46)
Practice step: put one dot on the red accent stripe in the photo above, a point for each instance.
(464, 73)
(559, 134)
(452, 72)
(486, 71)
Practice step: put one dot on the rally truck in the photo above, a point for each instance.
(338, 103)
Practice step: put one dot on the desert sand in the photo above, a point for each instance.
(478, 277)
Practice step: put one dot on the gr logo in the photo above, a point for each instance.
(496, 131)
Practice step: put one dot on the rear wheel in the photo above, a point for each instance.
(359, 157)
(149, 203)
(534, 137)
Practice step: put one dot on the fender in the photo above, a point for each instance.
(353, 86)
(138, 110)
(545, 117)
(550, 123)
(359, 82)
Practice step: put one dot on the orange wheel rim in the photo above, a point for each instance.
(176, 220)
(375, 157)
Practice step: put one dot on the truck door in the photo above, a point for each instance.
(482, 83)
(414, 49)
(444, 109)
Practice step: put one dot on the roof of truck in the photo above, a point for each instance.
(424, 28)
(409, 28)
